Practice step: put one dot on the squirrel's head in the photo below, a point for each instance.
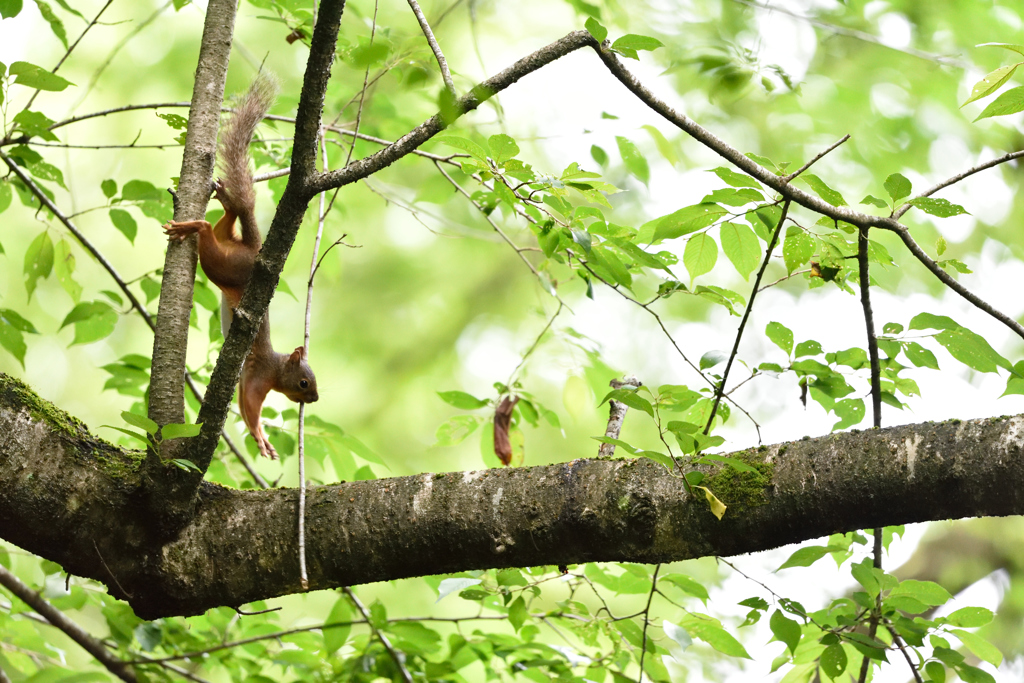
(298, 381)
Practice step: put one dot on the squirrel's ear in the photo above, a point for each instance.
(298, 354)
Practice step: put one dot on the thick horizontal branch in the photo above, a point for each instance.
(72, 498)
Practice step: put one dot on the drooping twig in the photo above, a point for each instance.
(435, 48)
(616, 415)
(720, 389)
(53, 615)
(903, 648)
(647, 618)
(406, 676)
(535, 344)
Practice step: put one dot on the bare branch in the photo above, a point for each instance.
(957, 178)
(720, 389)
(435, 48)
(399, 661)
(70, 628)
(817, 157)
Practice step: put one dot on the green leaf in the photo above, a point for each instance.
(632, 41)
(875, 201)
(124, 222)
(898, 187)
(599, 155)
(38, 261)
(700, 255)
(1010, 102)
(466, 145)
(617, 442)
(807, 348)
(335, 637)
(178, 431)
(991, 82)
(461, 400)
(686, 220)
(633, 159)
(806, 556)
(456, 429)
(797, 249)
(742, 247)
(6, 194)
(502, 147)
(936, 672)
(920, 356)
(517, 613)
(14, 319)
(736, 179)
(972, 350)
(785, 630)
(711, 359)
(35, 124)
(687, 585)
(781, 335)
(93, 320)
(979, 646)
(56, 25)
(64, 269)
(630, 398)
(926, 321)
(850, 411)
(9, 9)
(714, 635)
(12, 340)
(928, 592)
(972, 674)
(823, 190)
(186, 465)
(662, 143)
(942, 208)
(140, 421)
(833, 660)
(595, 29)
(109, 188)
(138, 437)
(33, 76)
(970, 617)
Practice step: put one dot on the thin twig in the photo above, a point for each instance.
(71, 49)
(720, 389)
(755, 170)
(906, 655)
(435, 48)
(53, 615)
(817, 158)
(406, 676)
(535, 344)
(957, 178)
(859, 35)
(647, 620)
(869, 323)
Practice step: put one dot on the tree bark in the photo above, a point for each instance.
(74, 499)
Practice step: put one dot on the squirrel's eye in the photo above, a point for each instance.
(304, 384)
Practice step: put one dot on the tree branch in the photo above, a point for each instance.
(241, 545)
(442, 64)
(70, 628)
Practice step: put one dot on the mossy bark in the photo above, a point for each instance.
(76, 500)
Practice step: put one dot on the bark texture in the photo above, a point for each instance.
(74, 499)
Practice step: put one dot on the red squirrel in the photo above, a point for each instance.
(227, 258)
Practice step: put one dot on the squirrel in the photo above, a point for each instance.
(227, 257)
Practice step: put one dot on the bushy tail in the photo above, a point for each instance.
(235, 163)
